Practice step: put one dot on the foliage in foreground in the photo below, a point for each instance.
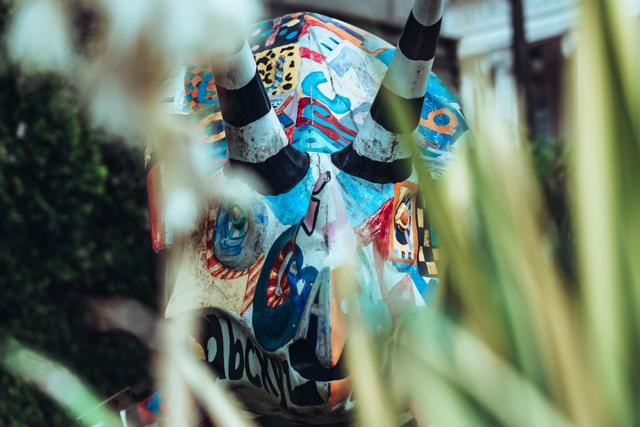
(528, 344)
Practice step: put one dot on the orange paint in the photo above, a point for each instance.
(339, 392)
(337, 318)
(448, 129)
(407, 218)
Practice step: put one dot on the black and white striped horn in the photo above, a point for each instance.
(256, 139)
(378, 154)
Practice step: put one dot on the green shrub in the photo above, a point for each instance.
(72, 227)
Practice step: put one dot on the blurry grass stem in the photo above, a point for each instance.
(177, 369)
(58, 383)
(373, 404)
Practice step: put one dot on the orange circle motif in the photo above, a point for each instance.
(449, 128)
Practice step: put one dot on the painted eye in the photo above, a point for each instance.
(402, 217)
(238, 216)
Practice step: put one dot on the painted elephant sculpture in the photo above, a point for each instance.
(320, 111)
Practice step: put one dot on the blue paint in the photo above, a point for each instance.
(291, 207)
(213, 128)
(347, 60)
(275, 326)
(386, 56)
(297, 272)
(203, 93)
(437, 89)
(442, 119)
(339, 104)
(442, 141)
(155, 402)
(418, 280)
(432, 153)
(292, 35)
(285, 120)
(402, 267)
(278, 76)
(213, 152)
(342, 133)
(230, 239)
(425, 286)
(310, 139)
(362, 198)
(326, 46)
(315, 113)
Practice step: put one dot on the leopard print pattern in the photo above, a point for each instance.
(279, 68)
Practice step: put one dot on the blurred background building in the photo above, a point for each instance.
(478, 35)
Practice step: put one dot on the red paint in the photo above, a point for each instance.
(375, 229)
(329, 132)
(305, 52)
(289, 132)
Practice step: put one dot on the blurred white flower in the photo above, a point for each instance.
(135, 47)
(200, 159)
(38, 36)
(126, 21)
(181, 210)
(112, 108)
(204, 29)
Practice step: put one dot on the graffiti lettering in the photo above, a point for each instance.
(239, 359)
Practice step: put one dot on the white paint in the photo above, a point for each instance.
(257, 141)
(406, 77)
(212, 349)
(377, 143)
(237, 70)
(428, 12)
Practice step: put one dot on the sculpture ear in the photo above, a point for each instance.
(377, 153)
(255, 137)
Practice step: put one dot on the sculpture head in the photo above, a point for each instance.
(320, 112)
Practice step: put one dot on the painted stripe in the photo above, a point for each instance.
(419, 42)
(279, 172)
(428, 12)
(349, 161)
(395, 113)
(252, 283)
(257, 141)
(246, 104)
(377, 143)
(406, 77)
(237, 70)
